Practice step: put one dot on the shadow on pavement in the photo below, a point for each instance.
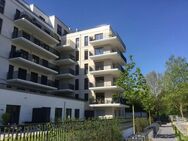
(166, 136)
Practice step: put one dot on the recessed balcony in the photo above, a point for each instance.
(66, 60)
(106, 70)
(65, 88)
(33, 26)
(113, 56)
(35, 63)
(66, 46)
(101, 87)
(26, 80)
(23, 39)
(66, 73)
(112, 40)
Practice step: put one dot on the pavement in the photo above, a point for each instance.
(165, 133)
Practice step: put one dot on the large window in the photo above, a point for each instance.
(68, 113)
(58, 114)
(34, 77)
(77, 42)
(77, 69)
(77, 113)
(86, 97)
(1, 24)
(22, 73)
(44, 79)
(86, 55)
(76, 84)
(98, 36)
(99, 51)
(2, 6)
(59, 30)
(86, 40)
(86, 68)
(86, 83)
(35, 59)
(77, 55)
(99, 81)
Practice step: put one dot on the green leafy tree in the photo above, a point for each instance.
(133, 83)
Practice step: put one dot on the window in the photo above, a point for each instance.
(86, 68)
(22, 73)
(86, 55)
(58, 114)
(77, 42)
(1, 24)
(17, 15)
(77, 113)
(76, 96)
(98, 36)
(24, 54)
(68, 113)
(13, 51)
(15, 32)
(99, 51)
(26, 35)
(99, 66)
(86, 97)
(35, 59)
(2, 6)
(59, 30)
(99, 81)
(77, 69)
(44, 62)
(10, 72)
(76, 84)
(86, 83)
(34, 77)
(86, 40)
(77, 55)
(44, 79)
(40, 17)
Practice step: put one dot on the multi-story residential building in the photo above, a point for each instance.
(51, 72)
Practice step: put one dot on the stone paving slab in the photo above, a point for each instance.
(165, 133)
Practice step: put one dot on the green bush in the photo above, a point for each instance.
(5, 118)
(140, 124)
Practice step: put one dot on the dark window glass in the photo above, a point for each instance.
(2, 6)
(44, 80)
(76, 84)
(24, 54)
(34, 77)
(77, 42)
(26, 35)
(44, 62)
(22, 73)
(86, 55)
(77, 55)
(58, 114)
(35, 59)
(77, 69)
(99, 66)
(68, 113)
(10, 72)
(15, 32)
(13, 51)
(86, 83)
(99, 81)
(99, 51)
(17, 15)
(76, 96)
(14, 113)
(40, 17)
(86, 68)
(59, 30)
(86, 97)
(98, 36)
(77, 113)
(1, 24)
(86, 39)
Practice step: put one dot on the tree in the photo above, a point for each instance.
(133, 82)
(175, 82)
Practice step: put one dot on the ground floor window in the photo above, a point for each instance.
(14, 113)
(68, 113)
(77, 113)
(58, 114)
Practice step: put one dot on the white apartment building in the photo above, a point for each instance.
(49, 72)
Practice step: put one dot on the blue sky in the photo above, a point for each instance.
(152, 30)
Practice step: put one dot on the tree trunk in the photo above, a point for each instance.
(149, 117)
(181, 110)
(133, 120)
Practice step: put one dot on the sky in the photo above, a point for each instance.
(152, 30)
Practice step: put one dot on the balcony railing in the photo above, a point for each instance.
(103, 101)
(65, 71)
(66, 86)
(34, 21)
(34, 40)
(101, 67)
(67, 57)
(28, 77)
(30, 57)
(102, 84)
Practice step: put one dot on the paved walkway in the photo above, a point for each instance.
(165, 133)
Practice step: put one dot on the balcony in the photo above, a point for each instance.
(34, 26)
(66, 88)
(22, 80)
(101, 87)
(66, 60)
(23, 39)
(97, 103)
(28, 60)
(112, 40)
(66, 73)
(114, 70)
(115, 56)
(67, 45)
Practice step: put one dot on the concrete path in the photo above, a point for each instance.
(165, 133)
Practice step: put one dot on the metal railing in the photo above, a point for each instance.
(29, 77)
(102, 67)
(101, 84)
(70, 56)
(103, 101)
(30, 57)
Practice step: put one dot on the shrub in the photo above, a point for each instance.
(5, 118)
(140, 124)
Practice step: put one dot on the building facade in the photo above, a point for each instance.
(47, 69)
